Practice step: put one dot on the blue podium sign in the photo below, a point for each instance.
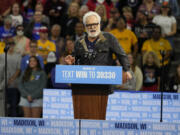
(88, 74)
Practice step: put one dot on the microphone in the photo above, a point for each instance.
(6, 48)
(8, 45)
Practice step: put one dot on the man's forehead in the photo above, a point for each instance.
(91, 19)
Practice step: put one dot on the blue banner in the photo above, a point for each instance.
(57, 104)
(128, 128)
(88, 74)
(122, 105)
(27, 126)
(30, 126)
(143, 106)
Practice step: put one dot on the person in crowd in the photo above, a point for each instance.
(174, 5)
(163, 50)
(28, 9)
(31, 84)
(137, 72)
(167, 22)
(101, 10)
(107, 3)
(7, 30)
(57, 39)
(69, 47)
(150, 7)
(17, 18)
(174, 84)
(5, 7)
(80, 2)
(151, 72)
(70, 20)
(79, 31)
(133, 4)
(101, 45)
(142, 28)
(21, 41)
(39, 8)
(112, 21)
(158, 44)
(127, 13)
(32, 52)
(126, 37)
(32, 29)
(51, 63)
(44, 45)
(13, 71)
(83, 9)
(55, 9)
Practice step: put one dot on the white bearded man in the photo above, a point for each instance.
(100, 46)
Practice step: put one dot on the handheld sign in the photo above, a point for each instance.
(88, 74)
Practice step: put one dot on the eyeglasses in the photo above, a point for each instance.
(92, 25)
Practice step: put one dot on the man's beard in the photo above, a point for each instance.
(92, 34)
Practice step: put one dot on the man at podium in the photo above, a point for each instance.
(95, 48)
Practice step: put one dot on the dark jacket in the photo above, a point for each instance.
(104, 47)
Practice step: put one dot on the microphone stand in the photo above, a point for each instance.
(5, 82)
(162, 84)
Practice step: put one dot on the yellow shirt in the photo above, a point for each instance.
(157, 46)
(126, 39)
(45, 48)
(2, 46)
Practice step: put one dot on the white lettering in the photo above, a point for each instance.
(67, 74)
(81, 74)
(106, 75)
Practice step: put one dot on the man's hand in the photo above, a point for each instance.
(69, 60)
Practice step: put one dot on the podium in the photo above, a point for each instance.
(90, 101)
(90, 88)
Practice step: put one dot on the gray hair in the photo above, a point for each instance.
(91, 13)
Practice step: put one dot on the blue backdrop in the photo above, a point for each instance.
(122, 105)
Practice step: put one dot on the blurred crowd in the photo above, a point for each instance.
(38, 34)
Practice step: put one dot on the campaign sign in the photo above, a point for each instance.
(90, 127)
(57, 104)
(143, 106)
(88, 74)
(122, 105)
(27, 126)
(31, 126)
